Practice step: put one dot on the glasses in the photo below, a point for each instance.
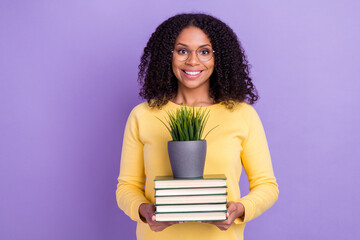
(182, 53)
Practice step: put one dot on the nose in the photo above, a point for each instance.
(192, 59)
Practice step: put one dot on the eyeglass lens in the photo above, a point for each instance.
(182, 53)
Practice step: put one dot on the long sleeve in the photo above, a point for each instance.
(257, 164)
(238, 143)
(131, 180)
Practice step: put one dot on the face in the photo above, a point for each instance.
(192, 73)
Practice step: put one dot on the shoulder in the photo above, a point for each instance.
(250, 116)
(243, 108)
(139, 110)
(141, 107)
(246, 113)
(143, 110)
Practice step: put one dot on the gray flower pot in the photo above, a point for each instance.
(187, 158)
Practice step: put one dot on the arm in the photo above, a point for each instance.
(257, 164)
(262, 183)
(130, 194)
(146, 211)
(130, 188)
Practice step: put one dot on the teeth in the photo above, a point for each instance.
(192, 73)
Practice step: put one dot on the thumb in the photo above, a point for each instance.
(231, 207)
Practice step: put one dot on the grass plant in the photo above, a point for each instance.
(187, 123)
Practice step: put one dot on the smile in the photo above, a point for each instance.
(192, 73)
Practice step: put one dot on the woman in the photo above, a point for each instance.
(195, 59)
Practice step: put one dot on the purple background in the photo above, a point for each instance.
(68, 73)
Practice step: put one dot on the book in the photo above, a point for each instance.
(191, 208)
(220, 198)
(214, 180)
(194, 216)
(189, 191)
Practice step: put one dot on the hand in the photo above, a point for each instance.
(146, 211)
(235, 210)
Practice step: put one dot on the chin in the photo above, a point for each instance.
(191, 84)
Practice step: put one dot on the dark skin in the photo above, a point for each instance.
(147, 210)
(234, 210)
(192, 90)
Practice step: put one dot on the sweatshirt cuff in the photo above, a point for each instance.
(249, 211)
(135, 215)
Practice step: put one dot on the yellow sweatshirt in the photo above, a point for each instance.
(238, 142)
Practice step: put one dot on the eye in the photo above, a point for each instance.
(205, 51)
(182, 51)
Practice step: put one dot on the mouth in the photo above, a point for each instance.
(192, 74)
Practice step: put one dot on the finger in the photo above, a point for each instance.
(209, 222)
(231, 207)
(172, 223)
(217, 223)
(159, 226)
(222, 227)
(165, 224)
(229, 204)
(168, 224)
(226, 223)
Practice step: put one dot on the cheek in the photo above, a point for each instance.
(211, 64)
(211, 68)
(175, 67)
(176, 70)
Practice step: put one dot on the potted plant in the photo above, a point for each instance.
(187, 150)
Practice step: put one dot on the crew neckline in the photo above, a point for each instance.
(209, 106)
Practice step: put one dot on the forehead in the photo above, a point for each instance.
(192, 36)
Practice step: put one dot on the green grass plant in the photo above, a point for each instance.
(187, 123)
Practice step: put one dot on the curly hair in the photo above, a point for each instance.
(230, 81)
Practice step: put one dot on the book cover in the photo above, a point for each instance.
(214, 180)
(194, 216)
(220, 198)
(191, 208)
(189, 191)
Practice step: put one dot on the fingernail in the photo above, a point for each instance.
(153, 218)
(199, 222)
(227, 214)
(181, 222)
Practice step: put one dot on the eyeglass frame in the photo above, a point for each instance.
(197, 55)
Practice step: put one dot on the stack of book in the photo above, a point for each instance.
(195, 199)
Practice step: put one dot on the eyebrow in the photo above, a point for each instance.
(188, 46)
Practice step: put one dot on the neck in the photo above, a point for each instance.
(193, 97)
